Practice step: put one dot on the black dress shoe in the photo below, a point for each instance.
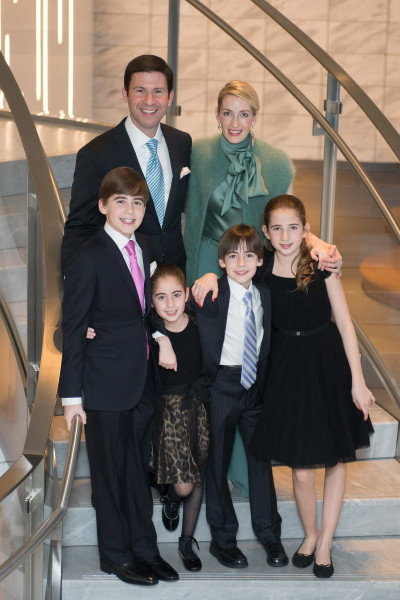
(131, 572)
(229, 557)
(191, 561)
(302, 561)
(323, 571)
(161, 569)
(276, 555)
(170, 513)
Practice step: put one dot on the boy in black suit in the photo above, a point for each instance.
(107, 286)
(235, 353)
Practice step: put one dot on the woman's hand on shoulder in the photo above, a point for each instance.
(201, 287)
(362, 398)
(90, 334)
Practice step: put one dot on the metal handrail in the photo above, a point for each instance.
(16, 343)
(64, 122)
(312, 109)
(377, 364)
(52, 216)
(61, 507)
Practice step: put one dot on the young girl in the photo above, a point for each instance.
(316, 402)
(181, 429)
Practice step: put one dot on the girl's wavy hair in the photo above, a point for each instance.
(305, 272)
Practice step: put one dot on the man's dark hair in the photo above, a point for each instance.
(148, 63)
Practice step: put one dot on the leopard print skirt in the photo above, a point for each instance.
(180, 440)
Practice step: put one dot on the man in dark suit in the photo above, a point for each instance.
(147, 90)
(236, 398)
(107, 286)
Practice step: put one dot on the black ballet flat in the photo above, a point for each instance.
(323, 571)
(302, 561)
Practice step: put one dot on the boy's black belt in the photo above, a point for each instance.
(304, 332)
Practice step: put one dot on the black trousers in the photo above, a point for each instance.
(118, 446)
(232, 405)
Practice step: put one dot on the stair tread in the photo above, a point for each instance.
(354, 560)
(361, 483)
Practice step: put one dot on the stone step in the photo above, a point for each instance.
(371, 506)
(383, 442)
(13, 221)
(364, 568)
(13, 274)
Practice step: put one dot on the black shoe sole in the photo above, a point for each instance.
(227, 564)
(111, 571)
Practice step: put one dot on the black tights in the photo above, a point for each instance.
(191, 506)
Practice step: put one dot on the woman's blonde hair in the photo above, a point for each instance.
(242, 89)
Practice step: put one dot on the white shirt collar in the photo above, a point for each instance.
(137, 137)
(238, 290)
(118, 238)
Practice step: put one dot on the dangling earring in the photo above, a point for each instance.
(219, 129)
(252, 135)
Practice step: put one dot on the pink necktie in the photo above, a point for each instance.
(136, 272)
(137, 277)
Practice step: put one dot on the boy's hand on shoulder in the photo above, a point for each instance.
(71, 411)
(204, 285)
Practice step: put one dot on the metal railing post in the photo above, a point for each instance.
(333, 108)
(34, 293)
(173, 42)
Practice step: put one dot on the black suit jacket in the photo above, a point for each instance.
(211, 320)
(99, 292)
(114, 149)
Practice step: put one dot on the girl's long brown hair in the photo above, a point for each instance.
(306, 265)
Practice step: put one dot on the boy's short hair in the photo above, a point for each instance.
(239, 235)
(126, 181)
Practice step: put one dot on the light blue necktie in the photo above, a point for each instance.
(155, 180)
(249, 366)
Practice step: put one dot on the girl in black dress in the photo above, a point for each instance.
(181, 428)
(316, 403)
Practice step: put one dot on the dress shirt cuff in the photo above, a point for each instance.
(71, 401)
(158, 334)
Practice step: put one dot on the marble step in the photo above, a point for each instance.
(371, 506)
(383, 442)
(364, 568)
(13, 221)
(13, 274)
(13, 174)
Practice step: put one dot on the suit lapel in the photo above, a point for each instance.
(128, 158)
(146, 265)
(223, 306)
(175, 166)
(113, 254)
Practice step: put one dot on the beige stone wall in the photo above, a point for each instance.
(364, 37)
